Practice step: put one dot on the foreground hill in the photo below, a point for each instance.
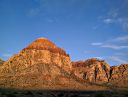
(43, 65)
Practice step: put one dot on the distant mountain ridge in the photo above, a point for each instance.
(43, 65)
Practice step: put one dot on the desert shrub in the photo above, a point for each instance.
(3, 95)
(126, 93)
(74, 95)
(29, 93)
(10, 95)
(40, 93)
(15, 92)
(100, 95)
(60, 95)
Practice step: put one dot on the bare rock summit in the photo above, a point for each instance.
(41, 64)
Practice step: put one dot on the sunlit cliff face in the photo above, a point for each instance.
(45, 44)
(43, 65)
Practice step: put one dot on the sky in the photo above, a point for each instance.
(84, 28)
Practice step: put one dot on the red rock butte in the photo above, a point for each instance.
(45, 44)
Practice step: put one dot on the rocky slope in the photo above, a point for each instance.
(40, 51)
(37, 65)
(92, 70)
(43, 65)
(119, 75)
(98, 71)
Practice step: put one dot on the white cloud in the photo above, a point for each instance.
(112, 46)
(114, 16)
(120, 54)
(117, 59)
(117, 43)
(113, 12)
(108, 20)
(121, 38)
(123, 21)
(125, 26)
(96, 43)
(116, 47)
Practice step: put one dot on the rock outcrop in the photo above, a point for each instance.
(40, 51)
(92, 70)
(43, 65)
(37, 65)
(119, 75)
(98, 71)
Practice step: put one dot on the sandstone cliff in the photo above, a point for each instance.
(37, 65)
(40, 51)
(92, 70)
(98, 71)
(119, 75)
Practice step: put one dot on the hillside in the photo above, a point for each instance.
(43, 65)
(100, 72)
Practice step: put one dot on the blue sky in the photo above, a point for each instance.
(84, 28)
